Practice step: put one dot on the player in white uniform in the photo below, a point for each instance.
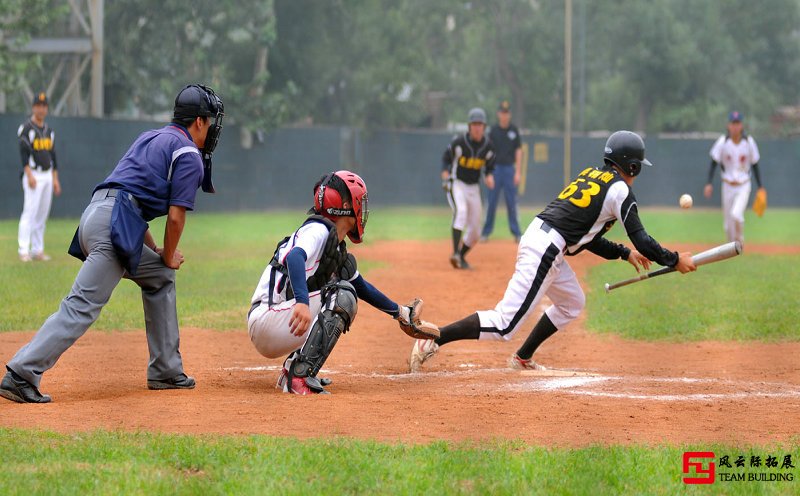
(462, 163)
(578, 218)
(307, 295)
(39, 180)
(737, 154)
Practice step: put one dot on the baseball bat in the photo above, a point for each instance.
(721, 252)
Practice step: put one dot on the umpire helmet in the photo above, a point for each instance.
(197, 100)
(625, 149)
(477, 115)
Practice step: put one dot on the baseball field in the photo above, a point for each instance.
(704, 362)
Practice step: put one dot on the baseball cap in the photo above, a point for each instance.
(735, 116)
(40, 98)
(504, 106)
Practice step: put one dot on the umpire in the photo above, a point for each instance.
(507, 171)
(159, 175)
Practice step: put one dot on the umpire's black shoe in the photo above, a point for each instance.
(15, 388)
(180, 381)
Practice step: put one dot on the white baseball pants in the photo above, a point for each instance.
(465, 200)
(35, 209)
(269, 326)
(734, 204)
(540, 270)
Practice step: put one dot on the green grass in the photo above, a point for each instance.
(225, 256)
(144, 463)
(226, 253)
(778, 226)
(751, 297)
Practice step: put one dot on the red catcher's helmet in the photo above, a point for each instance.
(331, 193)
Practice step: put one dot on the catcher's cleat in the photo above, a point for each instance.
(455, 260)
(423, 350)
(283, 382)
(305, 386)
(517, 363)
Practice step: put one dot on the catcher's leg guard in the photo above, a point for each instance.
(339, 308)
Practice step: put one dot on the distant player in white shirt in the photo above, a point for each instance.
(737, 154)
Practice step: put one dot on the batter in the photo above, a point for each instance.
(576, 220)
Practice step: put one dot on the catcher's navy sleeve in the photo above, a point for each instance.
(296, 264)
(374, 297)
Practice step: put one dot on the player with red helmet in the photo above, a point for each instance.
(308, 294)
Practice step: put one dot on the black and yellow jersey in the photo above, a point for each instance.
(590, 205)
(37, 146)
(465, 158)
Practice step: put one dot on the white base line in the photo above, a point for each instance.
(582, 383)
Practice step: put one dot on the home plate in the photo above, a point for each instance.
(558, 373)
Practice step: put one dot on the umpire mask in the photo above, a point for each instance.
(197, 100)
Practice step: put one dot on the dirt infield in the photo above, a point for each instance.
(607, 390)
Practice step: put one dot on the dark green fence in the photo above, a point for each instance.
(400, 167)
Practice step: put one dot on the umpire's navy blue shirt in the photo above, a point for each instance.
(161, 168)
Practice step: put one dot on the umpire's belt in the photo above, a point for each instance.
(112, 193)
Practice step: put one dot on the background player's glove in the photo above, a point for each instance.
(760, 202)
(447, 185)
(411, 323)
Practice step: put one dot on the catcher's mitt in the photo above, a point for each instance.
(760, 202)
(411, 323)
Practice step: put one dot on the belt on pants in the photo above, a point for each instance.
(112, 193)
(545, 227)
(735, 183)
(253, 307)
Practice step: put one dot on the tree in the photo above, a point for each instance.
(157, 47)
(18, 20)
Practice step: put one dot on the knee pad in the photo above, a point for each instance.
(337, 314)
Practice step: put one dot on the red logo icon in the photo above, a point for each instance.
(702, 475)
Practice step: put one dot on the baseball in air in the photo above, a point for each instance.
(685, 201)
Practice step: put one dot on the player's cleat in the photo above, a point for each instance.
(180, 381)
(517, 363)
(25, 258)
(423, 350)
(281, 384)
(517, 239)
(15, 388)
(484, 239)
(455, 260)
(42, 257)
(464, 264)
(299, 385)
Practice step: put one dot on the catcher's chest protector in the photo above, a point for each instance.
(333, 257)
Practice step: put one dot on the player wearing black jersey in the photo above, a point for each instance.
(462, 163)
(576, 220)
(39, 180)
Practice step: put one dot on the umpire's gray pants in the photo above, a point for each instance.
(96, 280)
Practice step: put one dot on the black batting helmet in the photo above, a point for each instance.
(625, 149)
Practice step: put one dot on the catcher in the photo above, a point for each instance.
(308, 294)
